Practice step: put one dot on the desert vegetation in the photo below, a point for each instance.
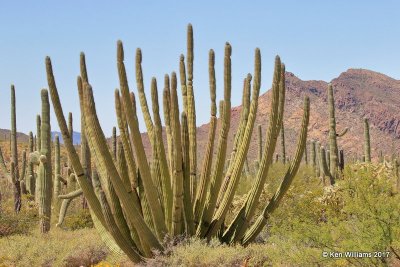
(108, 201)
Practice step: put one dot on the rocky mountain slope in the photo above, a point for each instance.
(358, 93)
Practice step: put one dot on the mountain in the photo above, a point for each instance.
(5, 135)
(358, 94)
(76, 137)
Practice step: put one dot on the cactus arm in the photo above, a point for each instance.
(191, 113)
(142, 95)
(156, 171)
(31, 175)
(130, 111)
(182, 75)
(98, 144)
(120, 239)
(63, 211)
(239, 224)
(283, 147)
(124, 135)
(324, 166)
(204, 181)
(244, 146)
(165, 172)
(287, 180)
(38, 132)
(188, 207)
(259, 142)
(217, 171)
(23, 168)
(313, 155)
(114, 143)
(71, 195)
(86, 187)
(177, 179)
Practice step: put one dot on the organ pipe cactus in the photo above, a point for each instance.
(367, 142)
(283, 147)
(259, 143)
(203, 184)
(169, 201)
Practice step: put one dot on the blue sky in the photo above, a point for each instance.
(316, 40)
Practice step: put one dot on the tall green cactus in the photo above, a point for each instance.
(45, 171)
(333, 149)
(262, 219)
(367, 142)
(14, 154)
(313, 155)
(259, 143)
(191, 112)
(57, 173)
(31, 176)
(283, 146)
(217, 172)
(204, 181)
(169, 200)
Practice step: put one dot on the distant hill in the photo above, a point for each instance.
(5, 135)
(76, 137)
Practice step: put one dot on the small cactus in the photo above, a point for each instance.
(367, 142)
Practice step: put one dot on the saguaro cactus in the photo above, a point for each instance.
(44, 173)
(367, 142)
(313, 155)
(14, 154)
(333, 150)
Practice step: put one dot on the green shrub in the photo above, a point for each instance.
(56, 248)
(21, 223)
(78, 220)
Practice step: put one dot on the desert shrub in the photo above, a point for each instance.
(78, 219)
(57, 248)
(360, 213)
(21, 223)
(195, 252)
